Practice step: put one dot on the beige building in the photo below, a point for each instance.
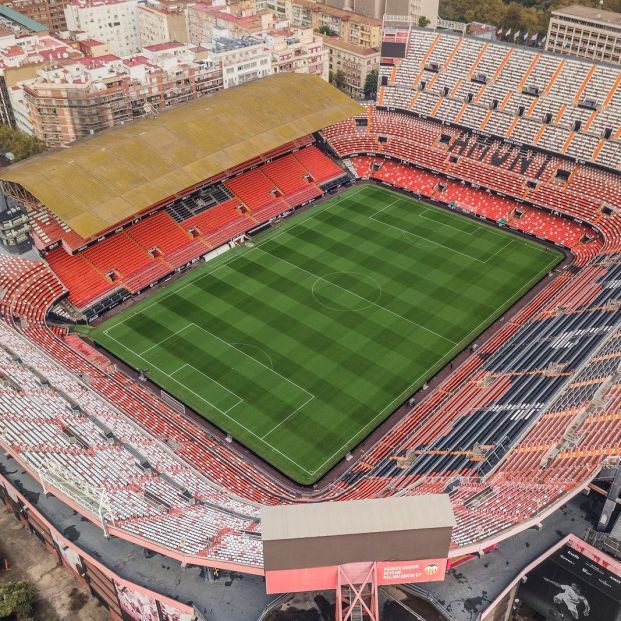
(345, 25)
(587, 32)
(298, 51)
(378, 8)
(414, 10)
(354, 61)
(369, 8)
(159, 25)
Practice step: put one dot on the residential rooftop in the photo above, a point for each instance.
(354, 48)
(591, 14)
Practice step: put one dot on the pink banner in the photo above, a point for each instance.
(403, 572)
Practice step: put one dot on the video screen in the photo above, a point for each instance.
(570, 587)
(392, 50)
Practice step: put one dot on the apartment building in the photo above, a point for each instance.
(586, 32)
(297, 51)
(20, 58)
(354, 61)
(161, 24)
(206, 22)
(49, 13)
(73, 99)
(241, 60)
(113, 21)
(369, 8)
(414, 10)
(345, 25)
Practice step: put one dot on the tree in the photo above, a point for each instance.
(370, 84)
(17, 598)
(338, 78)
(524, 15)
(326, 30)
(19, 144)
(423, 22)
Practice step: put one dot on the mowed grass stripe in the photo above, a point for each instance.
(302, 345)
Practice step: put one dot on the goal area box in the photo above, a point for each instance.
(407, 538)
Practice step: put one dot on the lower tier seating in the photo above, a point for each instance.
(163, 242)
(579, 237)
(320, 167)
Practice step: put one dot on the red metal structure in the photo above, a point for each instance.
(355, 599)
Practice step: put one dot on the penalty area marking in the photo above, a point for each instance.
(431, 241)
(211, 379)
(225, 413)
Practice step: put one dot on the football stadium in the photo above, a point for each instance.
(273, 315)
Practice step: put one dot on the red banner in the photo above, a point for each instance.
(325, 578)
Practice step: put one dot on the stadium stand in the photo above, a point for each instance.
(130, 260)
(569, 105)
(524, 422)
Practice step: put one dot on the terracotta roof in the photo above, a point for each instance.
(160, 47)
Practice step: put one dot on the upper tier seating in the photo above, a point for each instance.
(159, 231)
(287, 174)
(120, 254)
(570, 106)
(82, 279)
(254, 188)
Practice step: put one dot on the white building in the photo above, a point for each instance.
(243, 60)
(113, 21)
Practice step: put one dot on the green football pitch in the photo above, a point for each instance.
(302, 344)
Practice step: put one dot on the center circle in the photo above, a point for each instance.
(347, 291)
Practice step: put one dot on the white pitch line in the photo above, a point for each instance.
(284, 420)
(164, 339)
(358, 296)
(239, 399)
(253, 359)
(233, 420)
(240, 252)
(426, 239)
(497, 251)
